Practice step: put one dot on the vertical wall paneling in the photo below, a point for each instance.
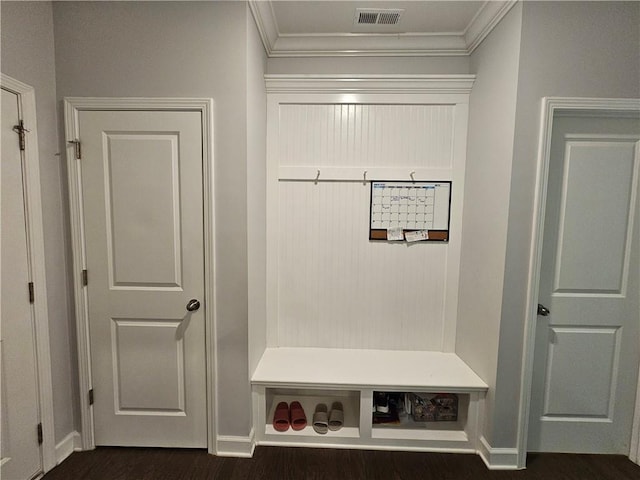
(338, 289)
(353, 135)
(328, 285)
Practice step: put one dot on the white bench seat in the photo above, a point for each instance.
(356, 368)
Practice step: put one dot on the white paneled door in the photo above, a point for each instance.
(587, 347)
(21, 456)
(143, 222)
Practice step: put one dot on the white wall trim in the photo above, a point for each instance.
(412, 44)
(72, 106)
(266, 22)
(69, 444)
(236, 446)
(551, 106)
(372, 45)
(634, 454)
(485, 21)
(35, 237)
(374, 84)
(497, 458)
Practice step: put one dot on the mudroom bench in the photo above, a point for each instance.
(355, 377)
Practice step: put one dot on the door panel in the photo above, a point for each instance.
(144, 241)
(143, 218)
(149, 367)
(19, 443)
(595, 214)
(586, 353)
(581, 368)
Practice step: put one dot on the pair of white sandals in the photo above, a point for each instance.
(323, 421)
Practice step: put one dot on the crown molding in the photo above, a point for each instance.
(485, 21)
(359, 45)
(265, 19)
(463, 43)
(450, 84)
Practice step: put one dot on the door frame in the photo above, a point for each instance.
(35, 238)
(72, 107)
(634, 454)
(552, 106)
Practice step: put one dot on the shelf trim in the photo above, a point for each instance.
(423, 435)
(364, 83)
(362, 173)
(433, 388)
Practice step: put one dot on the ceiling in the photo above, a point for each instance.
(308, 28)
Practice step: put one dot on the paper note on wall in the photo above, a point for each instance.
(395, 234)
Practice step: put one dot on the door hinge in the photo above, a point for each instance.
(32, 295)
(40, 435)
(76, 145)
(91, 397)
(543, 311)
(20, 130)
(85, 278)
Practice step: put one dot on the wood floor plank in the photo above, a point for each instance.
(276, 463)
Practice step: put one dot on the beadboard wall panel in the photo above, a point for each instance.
(366, 135)
(339, 290)
(328, 285)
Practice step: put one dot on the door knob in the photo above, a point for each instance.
(193, 305)
(542, 310)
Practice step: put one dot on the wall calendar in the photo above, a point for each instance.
(410, 211)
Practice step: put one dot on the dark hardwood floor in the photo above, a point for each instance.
(113, 463)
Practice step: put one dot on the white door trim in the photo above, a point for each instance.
(551, 106)
(634, 454)
(35, 236)
(72, 106)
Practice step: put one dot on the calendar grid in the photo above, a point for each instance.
(421, 206)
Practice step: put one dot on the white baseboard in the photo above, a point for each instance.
(67, 446)
(235, 446)
(498, 458)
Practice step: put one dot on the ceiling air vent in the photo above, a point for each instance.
(377, 16)
(367, 18)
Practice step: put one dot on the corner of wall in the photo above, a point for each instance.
(497, 458)
(236, 446)
(69, 444)
(492, 112)
(256, 191)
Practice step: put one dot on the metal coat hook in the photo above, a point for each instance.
(317, 176)
(411, 174)
(364, 176)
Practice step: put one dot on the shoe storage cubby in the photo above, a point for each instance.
(309, 399)
(402, 423)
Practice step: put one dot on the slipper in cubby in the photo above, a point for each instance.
(336, 416)
(297, 417)
(281, 417)
(321, 419)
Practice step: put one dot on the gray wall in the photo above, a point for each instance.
(256, 192)
(181, 49)
(577, 49)
(492, 111)
(27, 46)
